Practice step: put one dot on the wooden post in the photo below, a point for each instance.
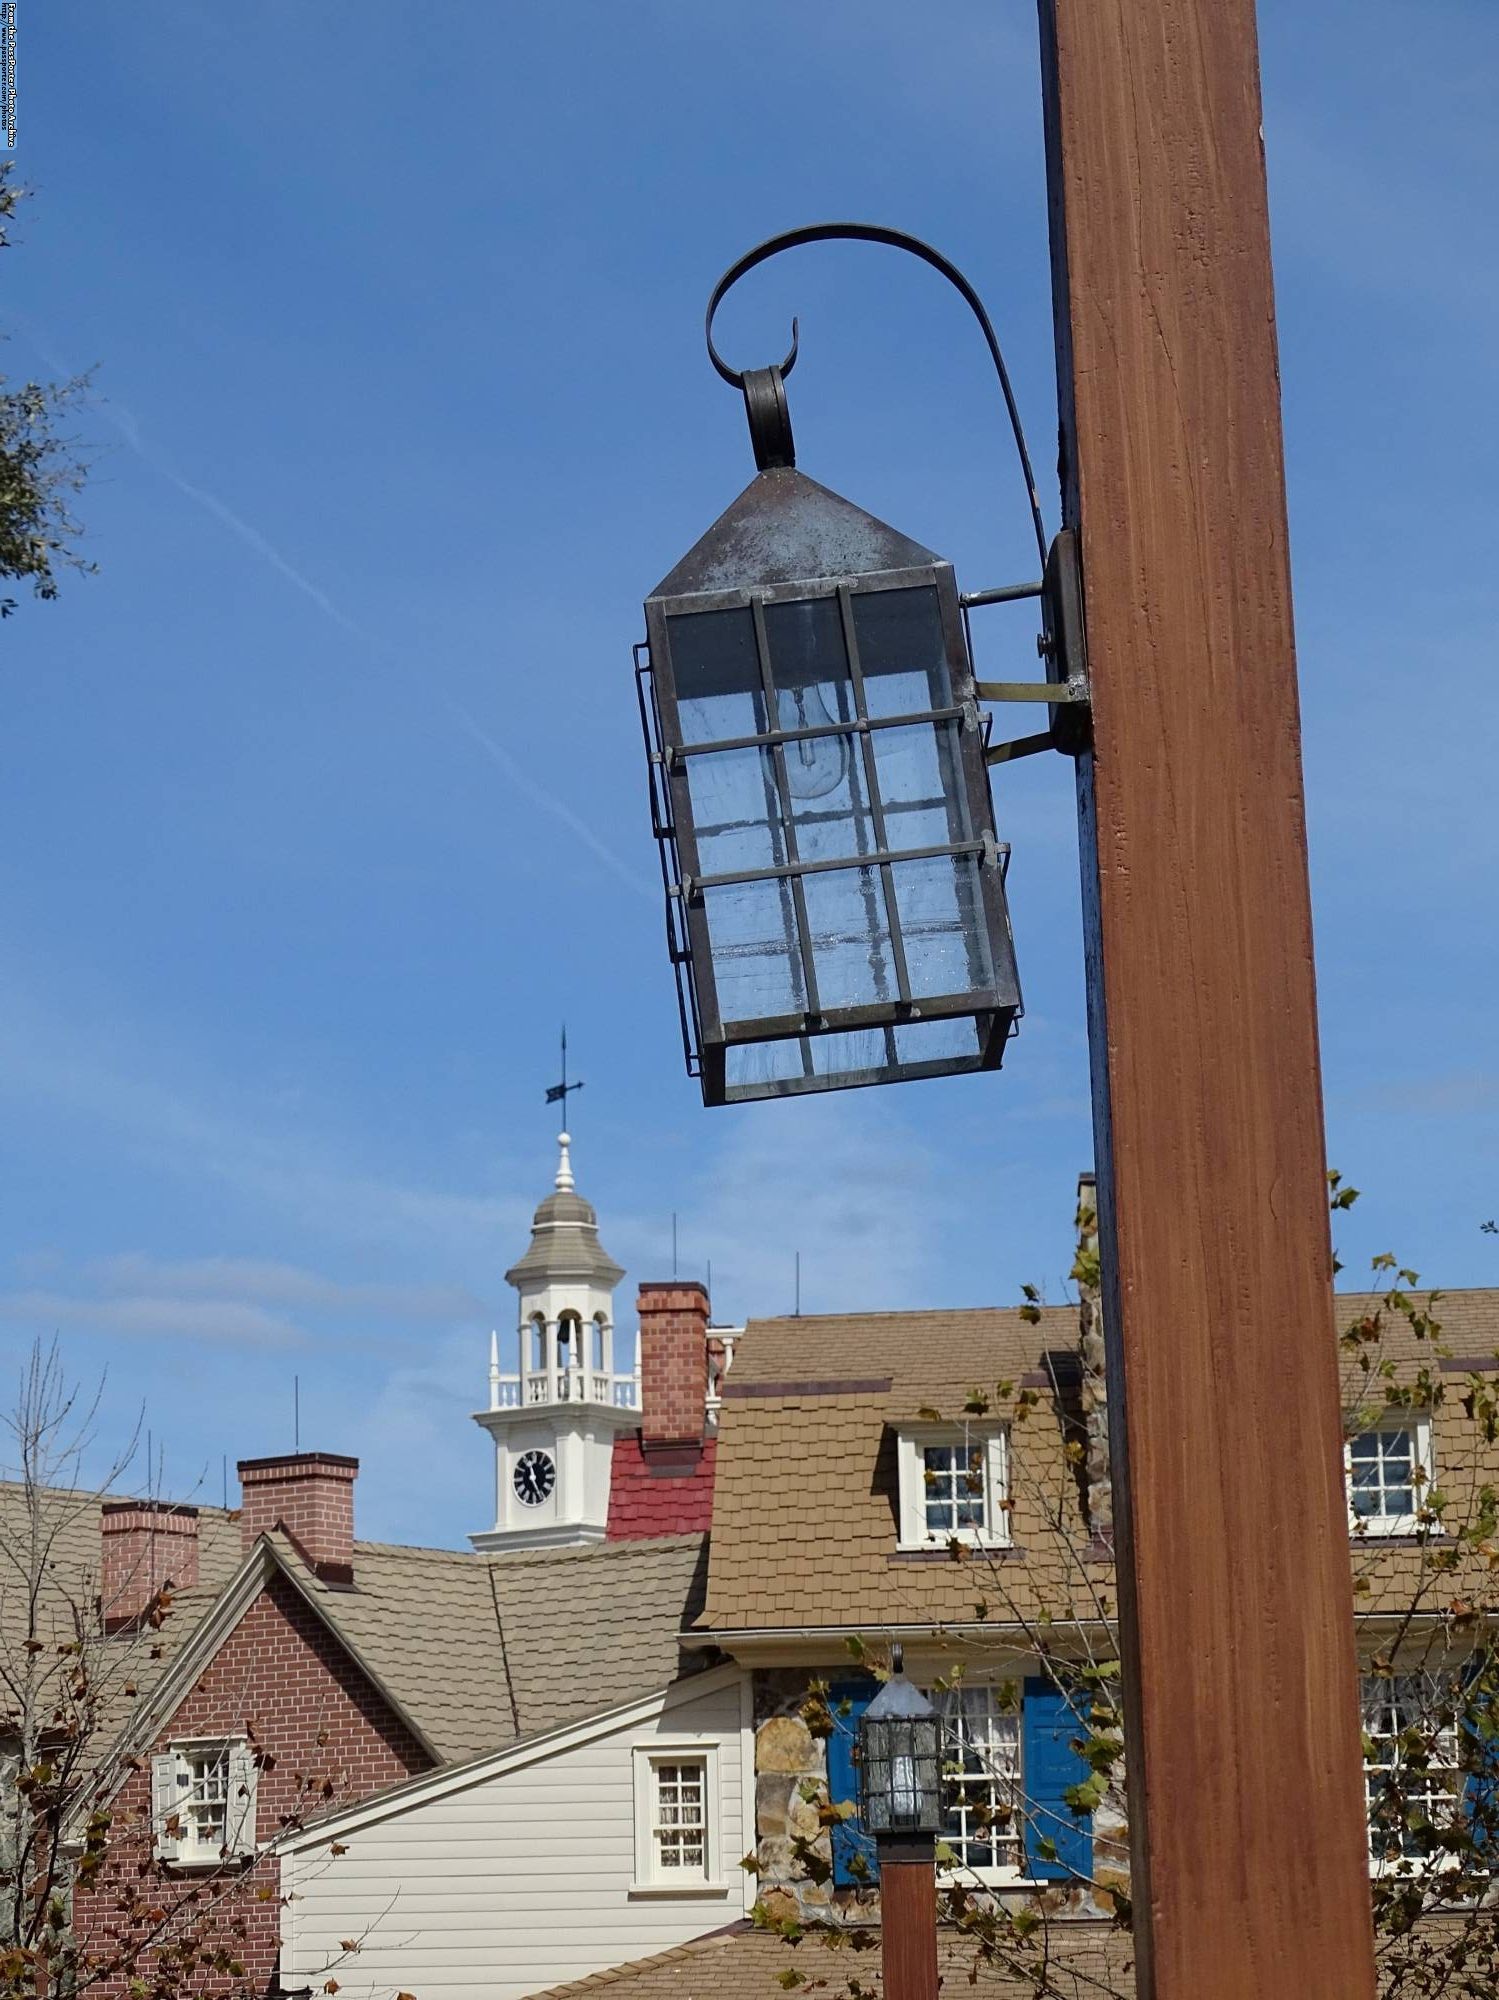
(1246, 1805)
(908, 1919)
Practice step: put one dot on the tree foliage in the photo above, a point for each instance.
(40, 469)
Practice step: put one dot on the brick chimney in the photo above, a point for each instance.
(147, 1545)
(673, 1367)
(311, 1495)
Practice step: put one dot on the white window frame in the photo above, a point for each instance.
(1418, 1423)
(650, 1878)
(992, 1441)
(171, 1794)
(1375, 1689)
(960, 1871)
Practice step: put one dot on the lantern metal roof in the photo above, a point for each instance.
(785, 528)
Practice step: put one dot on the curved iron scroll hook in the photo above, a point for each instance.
(895, 239)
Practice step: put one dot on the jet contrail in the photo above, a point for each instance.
(124, 422)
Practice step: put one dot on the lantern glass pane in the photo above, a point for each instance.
(857, 1055)
(921, 785)
(901, 652)
(735, 811)
(752, 935)
(717, 675)
(942, 922)
(829, 798)
(850, 938)
(946, 1041)
(809, 663)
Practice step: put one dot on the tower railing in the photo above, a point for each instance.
(534, 1386)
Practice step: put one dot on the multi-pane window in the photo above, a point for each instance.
(981, 1779)
(205, 1809)
(1387, 1475)
(1413, 1780)
(679, 1828)
(952, 1485)
(203, 1802)
(955, 1488)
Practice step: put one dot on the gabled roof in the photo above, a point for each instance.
(472, 1652)
(475, 1653)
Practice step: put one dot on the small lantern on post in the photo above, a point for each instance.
(900, 1802)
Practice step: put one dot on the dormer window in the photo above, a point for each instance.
(1389, 1471)
(953, 1486)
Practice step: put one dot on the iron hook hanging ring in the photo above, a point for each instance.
(895, 239)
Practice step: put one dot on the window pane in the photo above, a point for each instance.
(942, 924)
(900, 650)
(981, 1766)
(752, 931)
(717, 675)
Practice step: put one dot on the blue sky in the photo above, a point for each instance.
(321, 805)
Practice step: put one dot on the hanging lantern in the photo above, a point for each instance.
(835, 890)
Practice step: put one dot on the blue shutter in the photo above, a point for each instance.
(1050, 1767)
(1480, 1728)
(849, 1837)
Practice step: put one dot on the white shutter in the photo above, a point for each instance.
(165, 1803)
(239, 1836)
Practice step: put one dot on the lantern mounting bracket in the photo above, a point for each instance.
(1061, 645)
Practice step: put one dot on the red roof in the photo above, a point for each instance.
(657, 1495)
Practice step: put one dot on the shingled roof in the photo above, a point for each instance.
(805, 1522)
(481, 1651)
(743, 1963)
(474, 1651)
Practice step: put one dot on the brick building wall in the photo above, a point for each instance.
(328, 1738)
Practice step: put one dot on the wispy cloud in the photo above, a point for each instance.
(271, 1283)
(209, 1135)
(852, 1188)
(233, 1321)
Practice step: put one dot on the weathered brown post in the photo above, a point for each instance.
(1247, 1836)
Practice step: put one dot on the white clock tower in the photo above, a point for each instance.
(554, 1422)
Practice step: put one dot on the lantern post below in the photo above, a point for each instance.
(908, 1915)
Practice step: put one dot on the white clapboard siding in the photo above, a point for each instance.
(517, 1874)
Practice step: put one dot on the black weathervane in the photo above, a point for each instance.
(557, 1093)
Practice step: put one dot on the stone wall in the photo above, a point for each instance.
(791, 1788)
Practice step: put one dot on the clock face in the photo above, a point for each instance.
(535, 1476)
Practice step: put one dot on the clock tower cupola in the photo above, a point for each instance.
(554, 1420)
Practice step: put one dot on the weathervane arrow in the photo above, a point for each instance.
(557, 1093)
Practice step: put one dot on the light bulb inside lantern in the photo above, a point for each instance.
(903, 1798)
(815, 765)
